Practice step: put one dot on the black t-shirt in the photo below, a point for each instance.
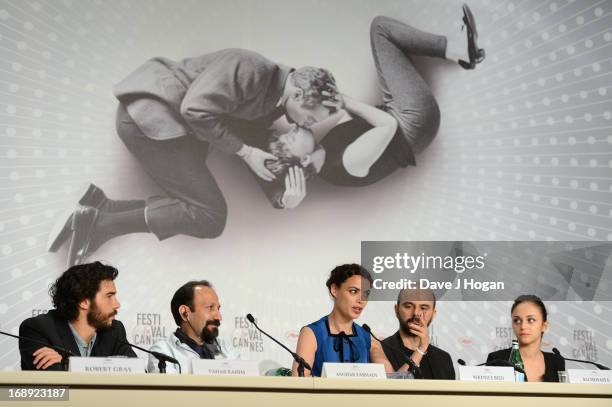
(436, 364)
(398, 154)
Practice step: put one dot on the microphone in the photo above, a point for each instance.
(464, 363)
(599, 365)
(58, 349)
(161, 357)
(62, 351)
(501, 362)
(298, 359)
(413, 366)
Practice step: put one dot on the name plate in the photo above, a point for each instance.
(354, 371)
(212, 367)
(589, 376)
(486, 373)
(106, 365)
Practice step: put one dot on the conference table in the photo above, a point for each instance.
(117, 390)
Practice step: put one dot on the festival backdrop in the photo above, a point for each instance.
(523, 153)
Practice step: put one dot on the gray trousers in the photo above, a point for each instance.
(193, 204)
(406, 95)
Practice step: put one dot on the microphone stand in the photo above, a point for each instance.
(65, 353)
(496, 362)
(501, 362)
(413, 366)
(302, 364)
(162, 358)
(599, 365)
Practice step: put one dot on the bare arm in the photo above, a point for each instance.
(362, 153)
(378, 356)
(306, 348)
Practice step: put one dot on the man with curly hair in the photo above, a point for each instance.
(170, 113)
(83, 321)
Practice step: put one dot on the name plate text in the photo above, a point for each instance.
(589, 376)
(211, 367)
(354, 371)
(106, 365)
(486, 373)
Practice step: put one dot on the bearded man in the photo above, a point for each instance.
(196, 310)
(83, 321)
(415, 310)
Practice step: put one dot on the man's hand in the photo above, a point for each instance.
(255, 159)
(295, 188)
(422, 332)
(45, 357)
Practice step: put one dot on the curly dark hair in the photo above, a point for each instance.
(342, 273)
(79, 283)
(314, 81)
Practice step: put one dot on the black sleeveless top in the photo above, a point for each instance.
(398, 154)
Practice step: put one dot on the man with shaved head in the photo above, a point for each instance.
(415, 309)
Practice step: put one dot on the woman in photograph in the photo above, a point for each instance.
(529, 322)
(336, 337)
(374, 142)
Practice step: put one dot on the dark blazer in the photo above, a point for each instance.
(51, 328)
(436, 364)
(169, 99)
(552, 363)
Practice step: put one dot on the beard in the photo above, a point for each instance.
(99, 320)
(406, 329)
(210, 330)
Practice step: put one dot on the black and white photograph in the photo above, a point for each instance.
(170, 166)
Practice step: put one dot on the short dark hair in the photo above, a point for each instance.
(184, 296)
(534, 299)
(345, 271)
(427, 290)
(314, 81)
(79, 283)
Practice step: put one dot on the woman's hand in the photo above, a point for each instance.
(295, 188)
(334, 99)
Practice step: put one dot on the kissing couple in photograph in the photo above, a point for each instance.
(171, 113)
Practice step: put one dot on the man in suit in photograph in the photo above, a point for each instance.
(170, 114)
